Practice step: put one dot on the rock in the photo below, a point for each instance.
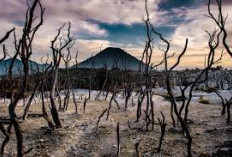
(228, 130)
(204, 154)
(211, 130)
(227, 144)
(174, 130)
(73, 148)
(223, 152)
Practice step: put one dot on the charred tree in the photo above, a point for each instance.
(24, 50)
(57, 56)
(162, 124)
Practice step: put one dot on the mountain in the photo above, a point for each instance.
(18, 66)
(112, 58)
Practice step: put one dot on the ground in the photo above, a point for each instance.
(79, 136)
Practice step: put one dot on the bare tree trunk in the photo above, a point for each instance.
(84, 104)
(111, 100)
(99, 118)
(54, 111)
(109, 107)
(116, 102)
(26, 110)
(57, 55)
(228, 112)
(44, 111)
(137, 148)
(7, 134)
(139, 107)
(107, 93)
(74, 101)
(223, 110)
(118, 140)
(172, 116)
(162, 129)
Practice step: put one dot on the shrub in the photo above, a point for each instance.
(203, 100)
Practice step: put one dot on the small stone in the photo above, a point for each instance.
(204, 154)
(223, 152)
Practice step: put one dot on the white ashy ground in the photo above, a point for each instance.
(79, 137)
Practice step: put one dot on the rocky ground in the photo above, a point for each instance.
(79, 136)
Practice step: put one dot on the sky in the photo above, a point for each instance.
(97, 24)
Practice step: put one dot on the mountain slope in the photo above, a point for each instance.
(112, 58)
(18, 66)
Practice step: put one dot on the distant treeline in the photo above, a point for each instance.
(102, 79)
(96, 79)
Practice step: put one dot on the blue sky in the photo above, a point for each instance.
(135, 33)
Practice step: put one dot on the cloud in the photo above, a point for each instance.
(185, 19)
(79, 13)
(195, 29)
(88, 48)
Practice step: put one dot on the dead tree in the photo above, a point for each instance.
(99, 118)
(57, 56)
(36, 86)
(44, 110)
(6, 36)
(225, 106)
(58, 96)
(114, 92)
(67, 83)
(168, 84)
(170, 92)
(213, 43)
(73, 90)
(118, 140)
(110, 104)
(90, 86)
(147, 55)
(162, 124)
(84, 104)
(5, 132)
(24, 51)
(128, 93)
(137, 148)
(183, 85)
(139, 104)
(220, 21)
(147, 70)
(91, 77)
(105, 81)
(132, 101)
(75, 101)
(228, 104)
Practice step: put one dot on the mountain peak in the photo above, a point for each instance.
(18, 66)
(112, 57)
